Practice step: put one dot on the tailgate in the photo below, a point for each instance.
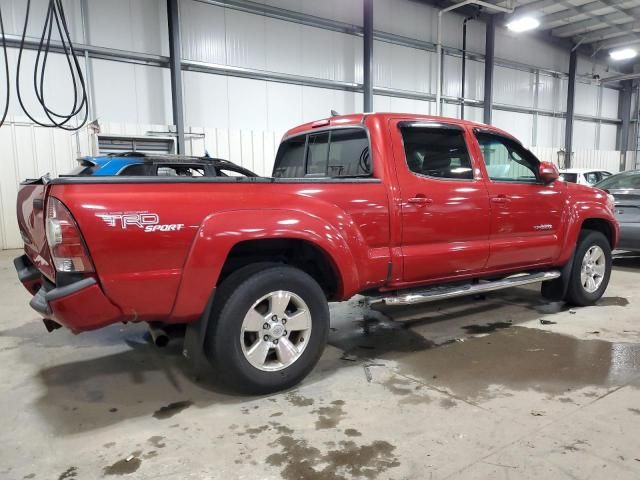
(627, 205)
(31, 221)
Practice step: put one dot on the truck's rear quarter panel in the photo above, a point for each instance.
(141, 271)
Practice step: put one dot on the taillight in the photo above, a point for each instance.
(68, 251)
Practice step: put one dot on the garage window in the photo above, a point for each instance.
(339, 153)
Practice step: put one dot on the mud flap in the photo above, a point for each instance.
(194, 338)
(556, 290)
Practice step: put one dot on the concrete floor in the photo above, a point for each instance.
(506, 387)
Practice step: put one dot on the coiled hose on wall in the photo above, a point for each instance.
(55, 14)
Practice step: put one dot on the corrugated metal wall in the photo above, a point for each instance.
(244, 118)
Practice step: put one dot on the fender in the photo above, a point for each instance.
(582, 209)
(220, 232)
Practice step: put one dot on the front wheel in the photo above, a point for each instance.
(268, 330)
(591, 269)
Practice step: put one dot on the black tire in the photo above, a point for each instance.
(576, 292)
(235, 296)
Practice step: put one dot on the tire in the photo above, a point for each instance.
(251, 296)
(577, 293)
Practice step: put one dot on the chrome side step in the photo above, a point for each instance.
(444, 292)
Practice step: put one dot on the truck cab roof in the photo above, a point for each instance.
(360, 118)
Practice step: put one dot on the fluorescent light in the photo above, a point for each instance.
(623, 54)
(523, 24)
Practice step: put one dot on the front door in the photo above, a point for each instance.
(444, 203)
(526, 215)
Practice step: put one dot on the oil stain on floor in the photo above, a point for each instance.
(298, 459)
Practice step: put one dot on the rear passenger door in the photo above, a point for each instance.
(444, 202)
(526, 215)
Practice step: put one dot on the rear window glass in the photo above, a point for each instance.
(180, 171)
(339, 153)
(136, 170)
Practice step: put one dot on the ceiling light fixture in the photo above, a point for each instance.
(523, 24)
(623, 54)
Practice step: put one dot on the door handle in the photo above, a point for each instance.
(420, 199)
(502, 198)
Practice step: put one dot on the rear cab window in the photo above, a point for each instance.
(334, 153)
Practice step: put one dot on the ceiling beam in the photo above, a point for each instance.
(617, 18)
(562, 15)
(623, 41)
(606, 33)
(533, 7)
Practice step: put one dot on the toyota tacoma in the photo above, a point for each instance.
(400, 208)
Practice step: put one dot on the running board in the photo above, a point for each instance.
(445, 292)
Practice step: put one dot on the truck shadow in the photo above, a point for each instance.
(139, 380)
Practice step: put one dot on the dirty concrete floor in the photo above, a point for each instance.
(508, 386)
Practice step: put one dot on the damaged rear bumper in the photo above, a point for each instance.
(79, 306)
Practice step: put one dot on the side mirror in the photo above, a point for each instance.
(548, 172)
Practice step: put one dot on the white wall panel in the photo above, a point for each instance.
(58, 91)
(203, 32)
(584, 135)
(520, 125)
(284, 106)
(28, 151)
(245, 39)
(610, 103)
(513, 87)
(348, 57)
(407, 105)
(138, 25)
(608, 134)
(474, 78)
(401, 67)
(552, 93)
(247, 103)
(348, 11)
(528, 50)
(550, 131)
(13, 15)
(587, 98)
(205, 100)
(131, 93)
(283, 46)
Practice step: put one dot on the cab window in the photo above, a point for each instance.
(439, 152)
(336, 153)
(506, 159)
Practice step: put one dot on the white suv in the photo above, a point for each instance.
(583, 176)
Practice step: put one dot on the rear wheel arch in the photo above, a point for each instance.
(302, 254)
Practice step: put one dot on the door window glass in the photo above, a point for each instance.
(591, 178)
(506, 160)
(437, 152)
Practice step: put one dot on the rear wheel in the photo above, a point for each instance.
(591, 269)
(269, 328)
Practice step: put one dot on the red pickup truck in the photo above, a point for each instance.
(400, 208)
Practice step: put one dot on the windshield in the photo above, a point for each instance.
(621, 181)
(569, 177)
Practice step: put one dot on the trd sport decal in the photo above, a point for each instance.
(149, 222)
